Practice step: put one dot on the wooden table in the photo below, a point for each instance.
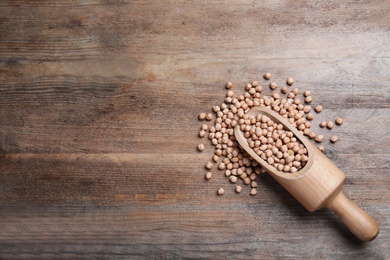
(98, 126)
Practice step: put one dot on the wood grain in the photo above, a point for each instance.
(98, 128)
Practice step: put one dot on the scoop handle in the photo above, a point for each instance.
(357, 220)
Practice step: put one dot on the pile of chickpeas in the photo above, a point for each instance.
(275, 145)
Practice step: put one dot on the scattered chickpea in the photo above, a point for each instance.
(255, 83)
(321, 148)
(309, 116)
(228, 173)
(202, 116)
(319, 138)
(238, 188)
(312, 135)
(229, 85)
(329, 125)
(208, 166)
(220, 191)
(308, 99)
(306, 93)
(208, 175)
(339, 121)
(290, 81)
(253, 191)
(233, 179)
(209, 116)
(323, 124)
(200, 147)
(272, 85)
(202, 133)
(205, 127)
(267, 76)
(307, 109)
(333, 139)
(295, 91)
(216, 109)
(221, 166)
(284, 90)
(318, 109)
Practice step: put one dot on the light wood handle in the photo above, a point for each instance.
(357, 220)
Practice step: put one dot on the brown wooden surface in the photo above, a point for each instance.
(98, 129)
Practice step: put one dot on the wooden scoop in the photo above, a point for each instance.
(318, 184)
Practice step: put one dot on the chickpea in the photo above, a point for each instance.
(216, 109)
(255, 83)
(318, 109)
(253, 191)
(233, 179)
(238, 189)
(273, 85)
(202, 116)
(252, 176)
(284, 90)
(307, 109)
(333, 139)
(309, 116)
(276, 96)
(208, 175)
(200, 147)
(323, 124)
(329, 125)
(291, 95)
(209, 166)
(290, 81)
(220, 191)
(229, 85)
(209, 116)
(339, 121)
(221, 166)
(319, 138)
(267, 76)
(308, 99)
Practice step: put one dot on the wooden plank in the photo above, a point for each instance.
(98, 128)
